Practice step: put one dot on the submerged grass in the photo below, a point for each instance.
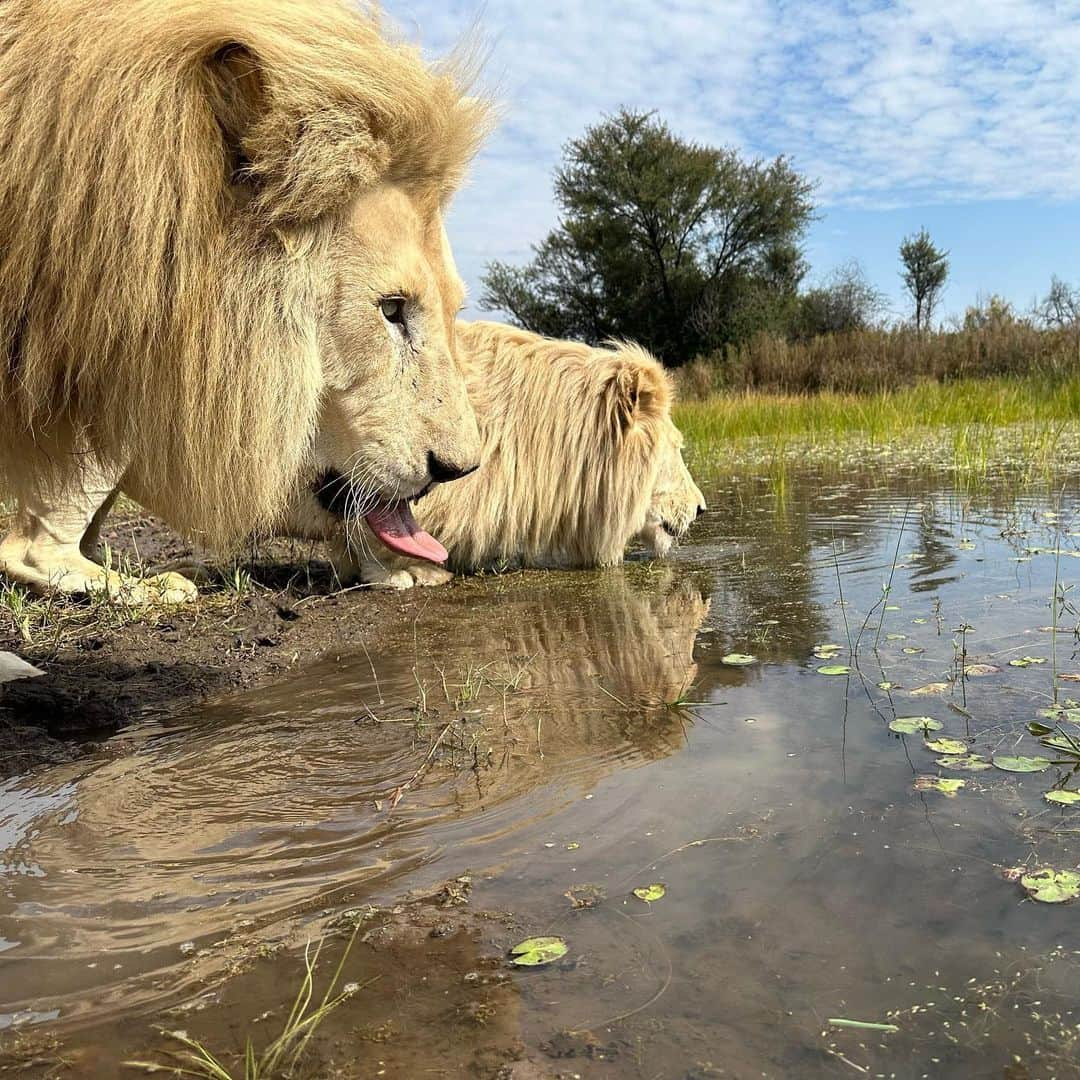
(283, 1055)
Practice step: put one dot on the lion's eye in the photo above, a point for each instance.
(393, 309)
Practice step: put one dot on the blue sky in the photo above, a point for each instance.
(960, 115)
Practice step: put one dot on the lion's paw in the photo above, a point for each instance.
(170, 588)
(425, 574)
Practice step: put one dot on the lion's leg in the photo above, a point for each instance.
(53, 534)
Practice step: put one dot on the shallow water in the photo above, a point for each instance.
(548, 731)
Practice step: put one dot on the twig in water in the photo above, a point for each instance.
(398, 793)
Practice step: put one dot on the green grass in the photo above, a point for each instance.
(830, 417)
(283, 1055)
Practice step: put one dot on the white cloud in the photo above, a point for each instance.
(885, 104)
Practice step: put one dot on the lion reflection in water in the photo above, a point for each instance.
(274, 797)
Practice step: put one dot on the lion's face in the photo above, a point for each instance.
(395, 418)
(676, 500)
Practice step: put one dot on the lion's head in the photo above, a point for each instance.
(648, 458)
(676, 500)
(221, 245)
(395, 418)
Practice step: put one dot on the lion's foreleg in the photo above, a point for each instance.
(55, 533)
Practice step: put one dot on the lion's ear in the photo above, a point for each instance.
(237, 91)
(295, 156)
(640, 390)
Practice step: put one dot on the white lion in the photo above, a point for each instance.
(221, 256)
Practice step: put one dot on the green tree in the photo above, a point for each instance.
(1060, 309)
(925, 270)
(661, 240)
(845, 302)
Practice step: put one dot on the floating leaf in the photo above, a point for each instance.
(892, 607)
(971, 763)
(1027, 661)
(1063, 798)
(930, 688)
(736, 659)
(1052, 886)
(1008, 763)
(912, 725)
(1070, 677)
(913, 650)
(946, 746)
(1038, 729)
(920, 622)
(978, 671)
(1062, 742)
(896, 637)
(888, 685)
(534, 951)
(834, 669)
(947, 785)
(827, 647)
(1065, 712)
(651, 893)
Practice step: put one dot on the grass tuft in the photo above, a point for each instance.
(281, 1057)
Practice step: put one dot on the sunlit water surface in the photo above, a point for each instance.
(551, 731)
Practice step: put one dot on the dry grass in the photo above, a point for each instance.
(872, 361)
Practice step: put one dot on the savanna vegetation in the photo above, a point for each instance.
(696, 252)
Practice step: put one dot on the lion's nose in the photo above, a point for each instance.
(443, 472)
(700, 510)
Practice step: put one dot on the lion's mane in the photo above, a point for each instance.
(570, 435)
(168, 173)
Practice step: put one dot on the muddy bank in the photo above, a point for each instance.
(273, 610)
(421, 986)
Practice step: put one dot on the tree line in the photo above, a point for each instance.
(691, 249)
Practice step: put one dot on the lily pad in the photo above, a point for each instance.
(1064, 712)
(896, 637)
(947, 785)
(920, 622)
(946, 746)
(1027, 661)
(978, 671)
(827, 650)
(536, 951)
(971, 763)
(886, 685)
(737, 659)
(651, 893)
(931, 688)
(1062, 742)
(913, 650)
(912, 725)
(1052, 886)
(1008, 763)
(1063, 798)
(834, 669)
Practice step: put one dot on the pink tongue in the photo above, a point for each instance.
(396, 527)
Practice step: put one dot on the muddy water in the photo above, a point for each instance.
(549, 732)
